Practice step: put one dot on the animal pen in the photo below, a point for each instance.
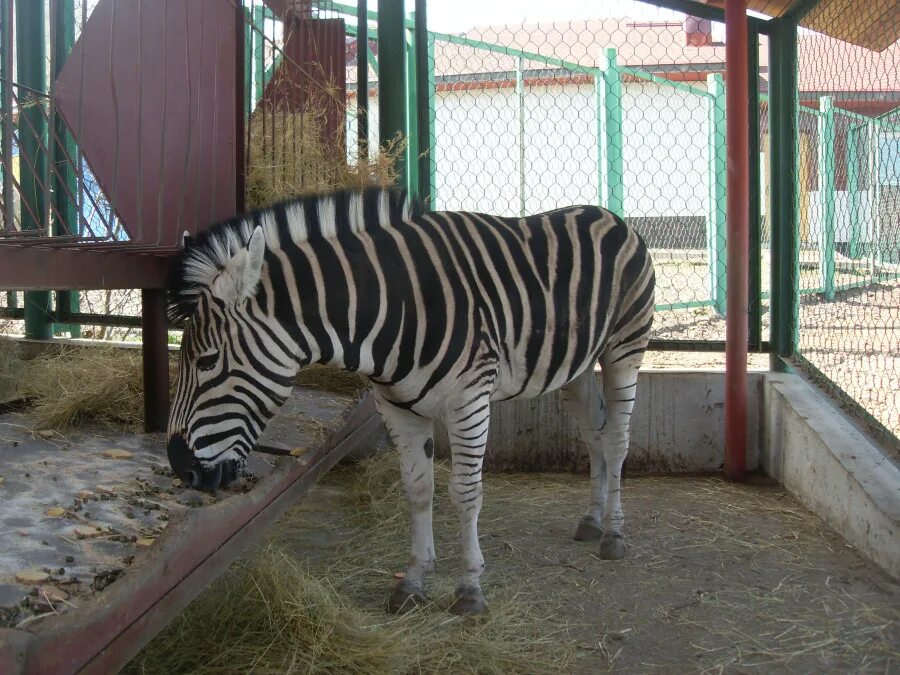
(759, 157)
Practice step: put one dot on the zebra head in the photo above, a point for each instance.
(236, 369)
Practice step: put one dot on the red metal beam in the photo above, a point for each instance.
(738, 223)
(28, 267)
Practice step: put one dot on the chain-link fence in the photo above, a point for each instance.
(848, 275)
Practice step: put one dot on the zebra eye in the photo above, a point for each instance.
(207, 362)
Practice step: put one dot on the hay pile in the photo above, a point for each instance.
(100, 385)
(11, 366)
(287, 156)
(274, 614)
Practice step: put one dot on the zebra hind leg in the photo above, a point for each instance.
(620, 374)
(413, 437)
(585, 401)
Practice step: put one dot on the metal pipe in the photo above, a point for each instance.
(155, 359)
(31, 55)
(424, 102)
(362, 80)
(6, 110)
(738, 209)
(392, 78)
(783, 171)
(756, 190)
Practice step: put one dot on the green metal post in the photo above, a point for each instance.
(65, 185)
(520, 135)
(414, 146)
(783, 173)
(853, 189)
(432, 128)
(754, 280)
(875, 183)
(716, 211)
(259, 52)
(31, 62)
(392, 77)
(608, 84)
(826, 196)
(248, 61)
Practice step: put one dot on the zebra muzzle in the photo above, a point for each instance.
(189, 469)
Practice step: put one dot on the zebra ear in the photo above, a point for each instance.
(240, 275)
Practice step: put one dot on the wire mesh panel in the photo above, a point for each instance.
(627, 113)
(849, 223)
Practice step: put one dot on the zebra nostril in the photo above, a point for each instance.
(181, 459)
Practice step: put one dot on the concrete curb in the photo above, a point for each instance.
(811, 448)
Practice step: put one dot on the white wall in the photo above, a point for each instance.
(478, 156)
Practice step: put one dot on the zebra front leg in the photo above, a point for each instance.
(620, 387)
(584, 399)
(414, 439)
(467, 430)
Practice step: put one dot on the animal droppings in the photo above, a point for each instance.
(116, 453)
(32, 576)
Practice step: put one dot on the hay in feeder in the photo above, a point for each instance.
(288, 156)
(99, 385)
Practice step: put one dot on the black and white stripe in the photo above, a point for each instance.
(444, 311)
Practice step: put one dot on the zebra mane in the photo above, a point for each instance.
(203, 258)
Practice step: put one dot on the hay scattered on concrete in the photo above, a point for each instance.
(288, 157)
(79, 385)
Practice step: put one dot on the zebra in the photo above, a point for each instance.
(444, 312)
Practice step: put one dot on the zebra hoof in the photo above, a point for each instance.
(406, 597)
(589, 529)
(469, 601)
(612, 546)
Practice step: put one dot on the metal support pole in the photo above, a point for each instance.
(611, 176)
(362, 80)
(155, 359)
(738, 201)
(259, 53)
(414, 144)
(65, 184)
(520, 135)
(826, 197)
(424, 62)
(392, 87)
(31, 64)
(716, 206)
(6, 109)
(756, 189)
(783, 172)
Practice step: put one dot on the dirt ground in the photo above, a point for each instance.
(717, 576)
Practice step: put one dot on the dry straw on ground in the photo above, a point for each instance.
(98, 385)
(269, 614)
(11, 366)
